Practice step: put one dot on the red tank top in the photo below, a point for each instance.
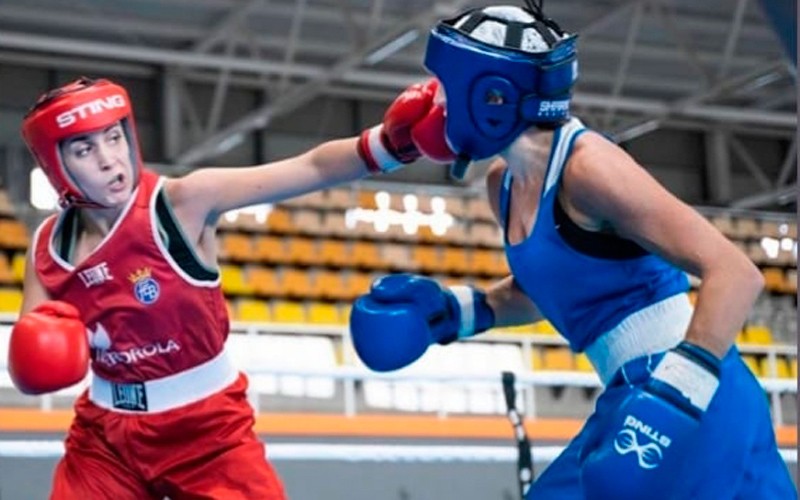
(145, 317)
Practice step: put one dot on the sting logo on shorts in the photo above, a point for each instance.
(145, 287)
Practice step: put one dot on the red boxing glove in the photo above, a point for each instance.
(410, 121)
(428, 136)
(49, 349)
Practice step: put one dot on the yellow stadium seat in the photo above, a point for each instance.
(544, 327)
(234, 281)
(10, 300)
(231, 310)
(344, 312)
(793, 367)
(253, 310)
(323, 313)
(758, 334)
(285, 311)
(582, 363)
(522, 329)
(557, 358)
(752, 363)
(537, 361)
(18, 267)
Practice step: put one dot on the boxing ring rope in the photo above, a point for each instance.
(381, 453)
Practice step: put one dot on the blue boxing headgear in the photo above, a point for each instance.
(503, 69)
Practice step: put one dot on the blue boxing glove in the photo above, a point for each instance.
(393, 324)
(645, 441)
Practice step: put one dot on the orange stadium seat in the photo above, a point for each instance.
(296, 283)
(773, 279)
(356, 284)
(329, 285)
(302, 251)
(236, 247)
(456, 260)
(10, 300)
(253, 310)
(334, 253)
(264, 281)
(366, 255)
(427, 258)
(13, 234)
(279, 221)
(270, 249)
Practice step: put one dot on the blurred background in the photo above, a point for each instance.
(702, 94)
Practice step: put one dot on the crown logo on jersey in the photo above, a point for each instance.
(140, 274)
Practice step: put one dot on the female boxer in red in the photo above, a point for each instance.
(125, 279)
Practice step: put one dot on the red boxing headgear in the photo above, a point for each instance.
(79, 107)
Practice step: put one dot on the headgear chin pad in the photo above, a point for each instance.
(503, 69)
(80, 107)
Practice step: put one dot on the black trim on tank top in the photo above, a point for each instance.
(178, 249)
(66, 235)
(593, 243)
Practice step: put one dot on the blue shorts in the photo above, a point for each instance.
(736, 458)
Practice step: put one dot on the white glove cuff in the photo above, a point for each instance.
(385, 161)
(692, 380)
(465, 296)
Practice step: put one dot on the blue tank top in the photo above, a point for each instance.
(583, 295)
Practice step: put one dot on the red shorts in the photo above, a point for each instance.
(206, 449)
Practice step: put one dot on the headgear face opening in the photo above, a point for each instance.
(80, 107)
(503, 69)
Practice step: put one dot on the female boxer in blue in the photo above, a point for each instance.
(601, 250)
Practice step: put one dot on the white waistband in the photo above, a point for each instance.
(169, 392)
(655, 328)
